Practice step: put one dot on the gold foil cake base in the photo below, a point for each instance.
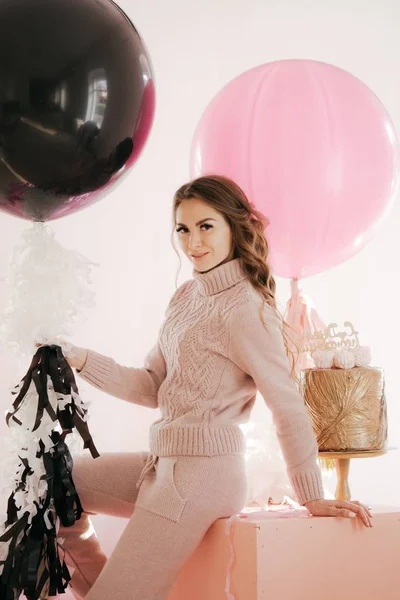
(347, 408)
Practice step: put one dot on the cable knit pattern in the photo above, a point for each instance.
(212, 355)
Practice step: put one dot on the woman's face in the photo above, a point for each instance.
(204, 235)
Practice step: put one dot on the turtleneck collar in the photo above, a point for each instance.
(219, 279)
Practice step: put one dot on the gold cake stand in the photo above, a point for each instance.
(342, 464)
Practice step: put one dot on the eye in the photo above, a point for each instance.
(207, 226)
(181, 230)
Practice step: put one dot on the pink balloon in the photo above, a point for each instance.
(313, 148)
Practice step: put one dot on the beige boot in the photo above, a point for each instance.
(80, 548)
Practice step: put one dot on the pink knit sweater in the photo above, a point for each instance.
(212, 355)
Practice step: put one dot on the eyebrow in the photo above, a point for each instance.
(198, 222)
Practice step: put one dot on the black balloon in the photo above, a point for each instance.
(76, 103)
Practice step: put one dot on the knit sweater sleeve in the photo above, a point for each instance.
(261, 354)
(136, 385)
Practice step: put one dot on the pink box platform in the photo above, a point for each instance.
(296, 558)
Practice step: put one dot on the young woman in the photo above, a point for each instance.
(221, 341)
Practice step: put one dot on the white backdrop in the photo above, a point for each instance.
(196, 47)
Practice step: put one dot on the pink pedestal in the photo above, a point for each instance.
(296, 558)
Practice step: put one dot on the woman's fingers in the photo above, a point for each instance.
(366, 508)
(351, 509)
(341, 508)
(345, 513)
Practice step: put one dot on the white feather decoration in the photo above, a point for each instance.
(49, 291)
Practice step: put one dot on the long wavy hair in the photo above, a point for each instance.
(249, 242)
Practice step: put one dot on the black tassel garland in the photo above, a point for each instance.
(46, 409)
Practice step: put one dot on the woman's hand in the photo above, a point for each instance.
(340, 508)
(76, 357)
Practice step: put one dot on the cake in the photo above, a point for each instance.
(345, 396)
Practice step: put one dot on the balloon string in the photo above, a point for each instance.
(229, 534)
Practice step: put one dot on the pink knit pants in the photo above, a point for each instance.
(178, 500)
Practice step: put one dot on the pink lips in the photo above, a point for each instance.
(199, 256)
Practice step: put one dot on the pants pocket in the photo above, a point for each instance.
(158, 492)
